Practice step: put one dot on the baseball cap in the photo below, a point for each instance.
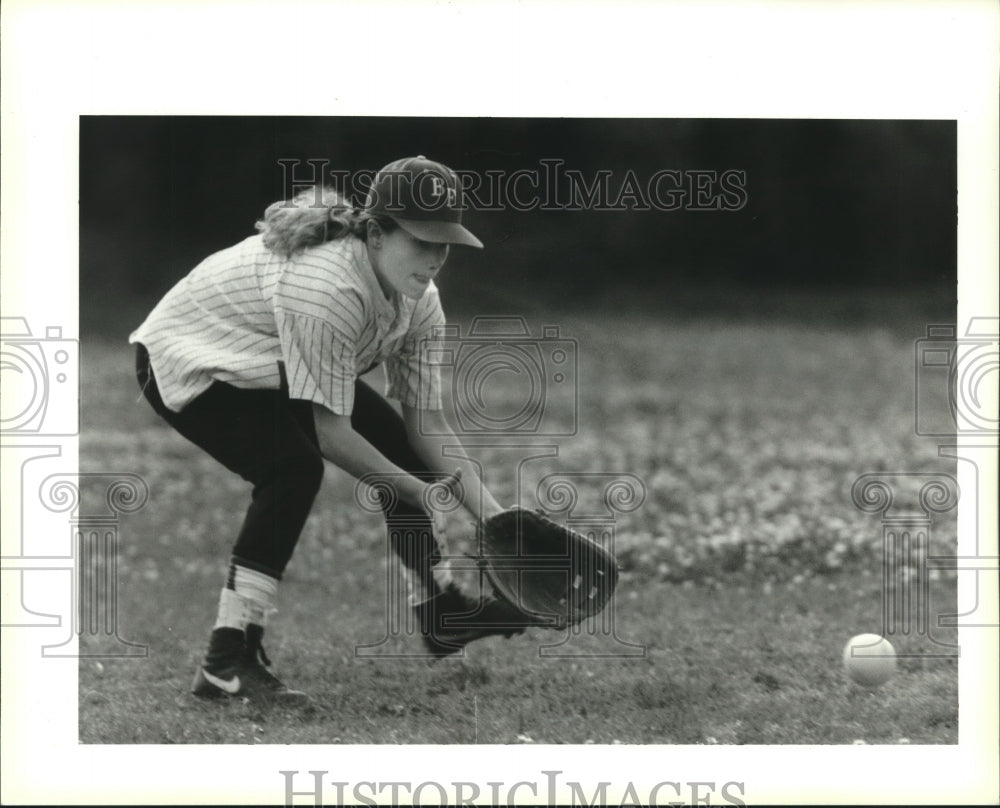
(424, 198)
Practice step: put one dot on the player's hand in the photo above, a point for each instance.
(442, 498)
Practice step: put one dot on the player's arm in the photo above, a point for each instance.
(345, 448)
(429, 433)
(319, 354)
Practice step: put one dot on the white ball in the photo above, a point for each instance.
(870, 660)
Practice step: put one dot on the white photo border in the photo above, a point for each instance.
(61, 60)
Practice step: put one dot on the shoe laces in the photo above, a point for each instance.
(254, 647)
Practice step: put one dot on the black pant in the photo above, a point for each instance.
(270, 441)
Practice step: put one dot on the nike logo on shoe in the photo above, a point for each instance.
(230, 686)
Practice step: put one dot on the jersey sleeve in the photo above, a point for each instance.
(412, 377)
(320, 352)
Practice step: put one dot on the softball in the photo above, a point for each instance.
(870, 660)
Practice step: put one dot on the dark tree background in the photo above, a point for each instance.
(851, 209)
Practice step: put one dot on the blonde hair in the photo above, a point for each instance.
(314, 216)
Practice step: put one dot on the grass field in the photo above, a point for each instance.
(744, 572)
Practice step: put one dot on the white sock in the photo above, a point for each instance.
(251, 600)
(418, 589)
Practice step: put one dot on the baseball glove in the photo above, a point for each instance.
(555, 576)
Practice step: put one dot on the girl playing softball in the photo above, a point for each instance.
(256, 357)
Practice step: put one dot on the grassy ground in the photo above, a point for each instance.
(728, 667)
(744, 572)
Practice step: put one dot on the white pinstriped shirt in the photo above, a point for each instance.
(322, 312)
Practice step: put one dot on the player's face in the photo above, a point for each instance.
(405, 264)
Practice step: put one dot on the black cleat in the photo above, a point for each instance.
(451, 620)
(236, 665)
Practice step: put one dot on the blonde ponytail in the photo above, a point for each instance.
(311, 217)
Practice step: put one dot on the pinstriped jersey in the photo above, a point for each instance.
(321, 312)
